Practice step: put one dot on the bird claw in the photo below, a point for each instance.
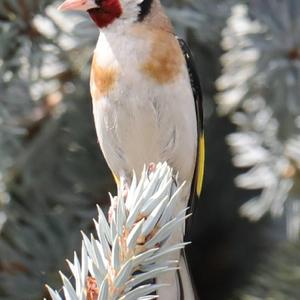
(151, 168)
(174, 179)
(124, 189)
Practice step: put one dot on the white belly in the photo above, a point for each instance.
(141, 121)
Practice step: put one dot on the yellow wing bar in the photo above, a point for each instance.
(201, 160)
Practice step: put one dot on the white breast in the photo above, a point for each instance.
(141, 121)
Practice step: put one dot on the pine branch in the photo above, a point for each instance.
(37, 64)
(196, 16)
(131, 251)
(259, 89)
(277, 278)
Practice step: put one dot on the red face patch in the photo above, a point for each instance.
(108, 11)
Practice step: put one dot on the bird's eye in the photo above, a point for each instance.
(98, 2)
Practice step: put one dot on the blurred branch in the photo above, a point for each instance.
(259, 90)
(277, 278)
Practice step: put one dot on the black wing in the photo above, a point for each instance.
(199, 167)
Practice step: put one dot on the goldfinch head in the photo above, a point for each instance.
(107, 12)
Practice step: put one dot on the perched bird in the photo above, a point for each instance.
(147, 102)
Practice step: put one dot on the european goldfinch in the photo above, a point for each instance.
(147, 102)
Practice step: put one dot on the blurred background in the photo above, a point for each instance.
(246, 242)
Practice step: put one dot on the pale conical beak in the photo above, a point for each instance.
(83, 5)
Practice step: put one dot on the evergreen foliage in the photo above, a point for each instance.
(260, 91)
(52, 173)
(134, 248)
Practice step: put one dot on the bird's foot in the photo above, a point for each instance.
(151, 168)
(174, 179)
